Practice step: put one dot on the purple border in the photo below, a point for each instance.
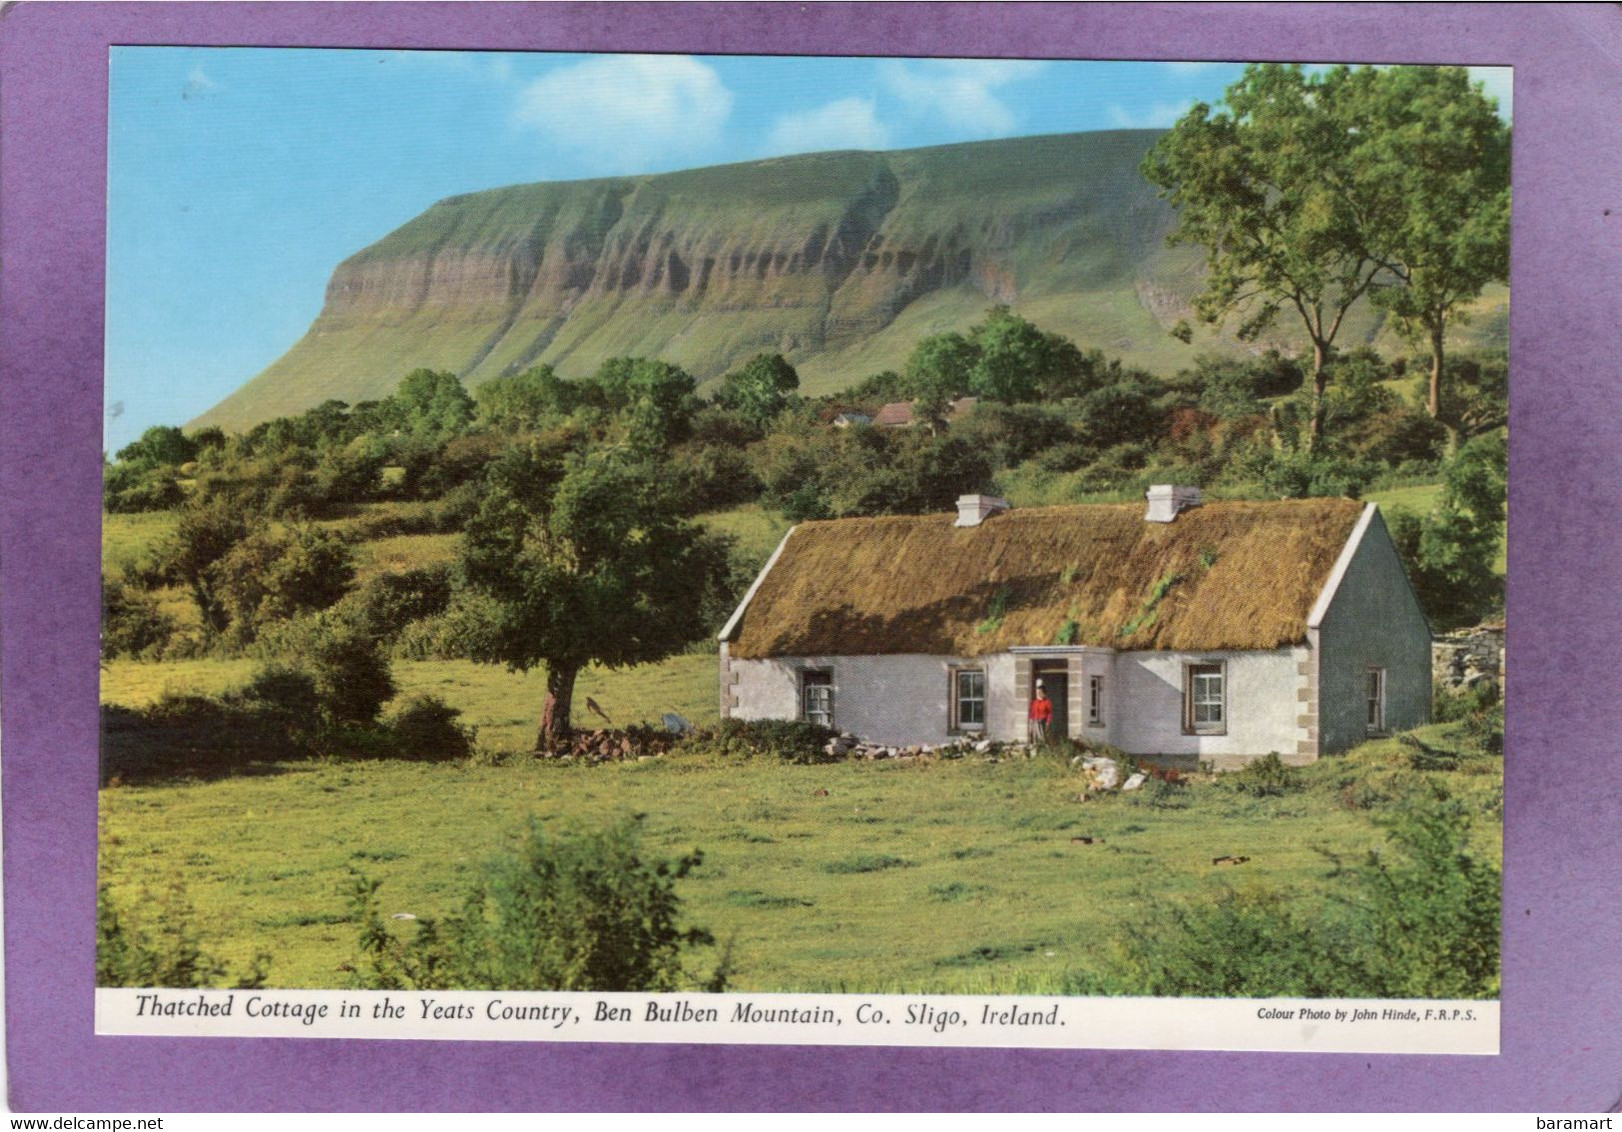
(1562, 1028)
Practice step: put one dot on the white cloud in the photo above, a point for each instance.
(1497, 83)
(619, 113)
(961, 92)
(1158, 116)
(198, 84)
(849, 123)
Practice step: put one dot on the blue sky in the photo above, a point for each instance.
(238, 178)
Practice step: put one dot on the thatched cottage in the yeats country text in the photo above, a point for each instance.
(1220, 631)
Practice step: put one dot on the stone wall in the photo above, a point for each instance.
(1468, 657)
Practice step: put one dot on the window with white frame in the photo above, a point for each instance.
(817, 696)
(1205, 699)
(969, 699)
(1376, 701)
(1095, 701)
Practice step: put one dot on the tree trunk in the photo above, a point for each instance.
(1320, 382)
(559, 701)
(1434, 402)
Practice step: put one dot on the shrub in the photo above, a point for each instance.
(131, 623)
(351, 673)
(1448, 706)
(274, 575)
(285, 693)
(790, 740)
(582, 912)
(387, 603)
(129, 488)
(1122, 413)
(1418, 921)
(425, 727)
(164, 953)
(1485, 729)
(1265, 777)
(1300, 474)
(1428, 911)
(1247, 944)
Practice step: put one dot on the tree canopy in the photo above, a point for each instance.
(760, 389)
(583, 560)
(1311, 191)
(1444, 156)
(433, 404)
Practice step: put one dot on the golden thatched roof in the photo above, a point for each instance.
(1222, 576)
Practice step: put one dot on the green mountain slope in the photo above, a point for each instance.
(839, 261)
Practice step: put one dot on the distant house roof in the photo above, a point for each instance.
(898, 414)
(1226, 575)
(893, 415)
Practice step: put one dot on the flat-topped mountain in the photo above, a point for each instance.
(840, 261)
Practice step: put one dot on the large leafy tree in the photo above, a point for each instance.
(1271, 187)
(653, 400)
(938, 372)
(1450, 552)
(760, 389)
(1442, 153)
(204, 533)
(583, 559)
(524, 400)
(158, 446)
(1017, 361)
(433, 404)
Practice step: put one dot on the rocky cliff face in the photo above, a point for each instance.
(840, 261)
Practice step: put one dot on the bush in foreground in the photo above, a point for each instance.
(1417, 921)
(164, 952)
(426, 728)
(582, 912)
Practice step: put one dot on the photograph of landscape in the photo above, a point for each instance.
(784, 524)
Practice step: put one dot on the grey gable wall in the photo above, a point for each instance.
(1373, 620)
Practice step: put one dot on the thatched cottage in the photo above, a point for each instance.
(1218, 631)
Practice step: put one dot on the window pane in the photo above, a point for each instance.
(1205, 693)
(971, 698)
(1376, 699)
(818, 697)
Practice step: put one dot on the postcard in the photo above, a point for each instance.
(938, 552)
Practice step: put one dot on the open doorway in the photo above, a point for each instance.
(1053, 677)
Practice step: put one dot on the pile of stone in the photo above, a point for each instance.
(848, 746)
(1102, 773)
(604, 746)
(1463, 659)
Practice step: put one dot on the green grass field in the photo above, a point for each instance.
(1420, 500)
(949, 876)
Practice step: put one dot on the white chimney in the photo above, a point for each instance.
(972, 510)
(1167, 499)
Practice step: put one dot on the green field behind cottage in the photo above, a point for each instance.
(948, 876)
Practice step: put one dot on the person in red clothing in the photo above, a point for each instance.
(1041, 715)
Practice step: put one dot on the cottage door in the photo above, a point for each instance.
(1056, 683)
